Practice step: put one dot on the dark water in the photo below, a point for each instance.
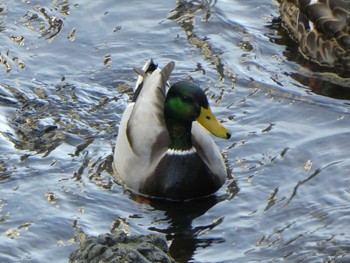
(66, 76)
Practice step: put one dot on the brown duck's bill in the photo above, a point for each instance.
(208, 121)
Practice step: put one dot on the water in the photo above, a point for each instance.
(66, 77)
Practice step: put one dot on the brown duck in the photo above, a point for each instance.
(321, 28)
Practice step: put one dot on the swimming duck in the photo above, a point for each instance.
(163, 148)
(322, 29)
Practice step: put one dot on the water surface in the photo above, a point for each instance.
(66, 77)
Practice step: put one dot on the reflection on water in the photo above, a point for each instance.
(185, 15)
(324, 87)
(185, 238)
(67, 73)
(179, 216)
(40, 20)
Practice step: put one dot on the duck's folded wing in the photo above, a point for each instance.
(146, 130)
(208, 150)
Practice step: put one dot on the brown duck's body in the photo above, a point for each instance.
(321, 28)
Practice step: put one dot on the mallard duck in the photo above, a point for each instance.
(322, 29)
(163, 148)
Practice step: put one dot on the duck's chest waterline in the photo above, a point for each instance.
(181, 175)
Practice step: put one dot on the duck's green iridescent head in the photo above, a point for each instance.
(186, 102)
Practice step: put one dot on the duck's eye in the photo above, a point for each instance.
(187, 99)
(207, 117)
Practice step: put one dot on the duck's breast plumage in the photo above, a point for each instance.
(189, 174)
(181, 176)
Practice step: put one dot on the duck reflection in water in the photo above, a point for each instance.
(178, 218)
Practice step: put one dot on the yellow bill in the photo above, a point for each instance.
(208, 121)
